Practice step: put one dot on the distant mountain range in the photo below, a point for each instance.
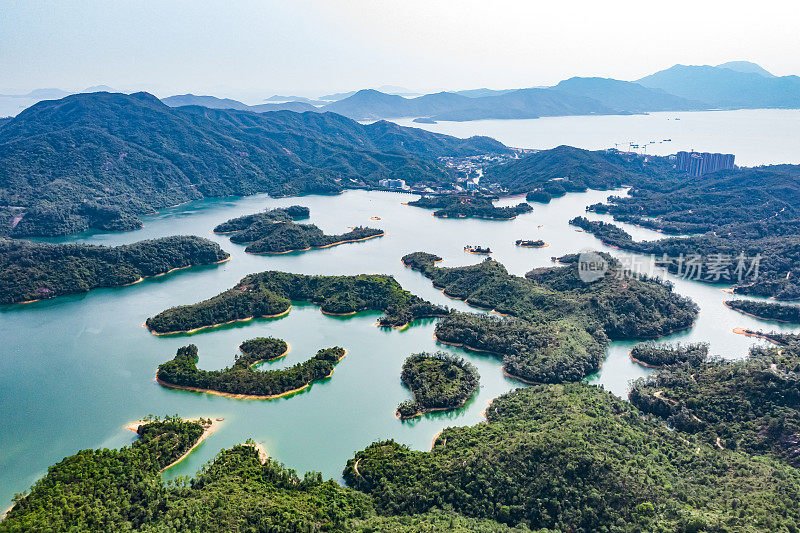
(67, 164)
(732, 85)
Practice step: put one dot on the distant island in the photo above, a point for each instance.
(766, 310)
(241, 380)
(478, 250)
(658, 355)
(538, 243)
(458, 206)
(553, 327)
(269, 294)
(31, 271)
(439, 382)
(275, 232)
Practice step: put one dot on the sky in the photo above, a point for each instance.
(253, 49)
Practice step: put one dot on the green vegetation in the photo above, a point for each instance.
(279, 214)
(270, 294)
(35, 271)
(106, 490)
(766, 310)
(657, 355)
(738, 215)
(553, 352)
(574, 457)
(538, 243)
(275, 232)
(558, 326)
(551, 173)
(136, 155)
(439, 382)
(455, 206)
(749, 405)
(241, 378)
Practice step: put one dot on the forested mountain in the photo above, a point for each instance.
(578, 169)
(746, 224)
(725, 87)
(37, 271)
(747, 67)
(627, 95)
(134, 154)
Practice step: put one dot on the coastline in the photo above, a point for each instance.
(243, 396)
(642, 363)
(766, 319)
(212, 427)
(158, 333)
(319, 247)
(758, 335)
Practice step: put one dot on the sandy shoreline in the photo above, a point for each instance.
(215, 423)
(157, 333)
(748, 333)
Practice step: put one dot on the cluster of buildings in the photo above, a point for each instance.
(393, 184)
(698, 164)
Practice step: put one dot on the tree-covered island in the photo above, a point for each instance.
(270, 294)
(554, 326)
(458, 206)
(275, 232)
(655, 355)
(241, 380)
(32, 271)
(439, 382)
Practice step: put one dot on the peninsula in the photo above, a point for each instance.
(275, 232)
(269, 294)
(459, 206)
(31, 271)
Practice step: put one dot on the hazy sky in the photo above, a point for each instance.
(309, 48)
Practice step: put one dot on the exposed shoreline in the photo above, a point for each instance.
(758, 335)
(381, 234)
(212, 427)
(244, 396)
(159, 333)
(134, 282)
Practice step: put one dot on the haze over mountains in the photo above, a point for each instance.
(732, 85)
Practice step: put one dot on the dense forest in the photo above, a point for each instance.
(136, 155)
(552, 173)
(750, 405)
(567, 457)
(36, 271)
(275, 232)
(557, 326)
(745, 225)
(270, 293)
(106, 490)
(439, 382)
(768, 266)
(458, 206)
(767, 310)
(573, 457)
(241, 378)
(658, 355)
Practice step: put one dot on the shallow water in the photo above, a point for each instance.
(75, 370)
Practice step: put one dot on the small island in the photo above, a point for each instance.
(461, 206)
(654, 355)
(538, 243)
(270, 294)
(439, 382)
(243, 381)
(31, 271)
(766, 310)
(275, 232)
(477, 250)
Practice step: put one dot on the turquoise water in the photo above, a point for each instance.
(755, 136)
(75, 370)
